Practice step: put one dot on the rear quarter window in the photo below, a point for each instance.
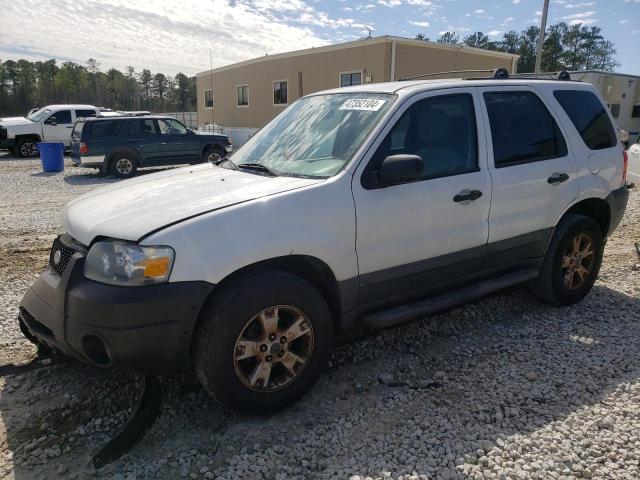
(103, 129)
(589, 116)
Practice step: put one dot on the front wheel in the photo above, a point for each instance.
(572, 263)
(27, 148)
(263, 341)
(212, 154)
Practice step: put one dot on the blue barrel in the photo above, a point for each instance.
(51, 156)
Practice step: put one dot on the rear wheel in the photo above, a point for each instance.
(123, 166)
(263, 341)
(27, 148)
(572, 262)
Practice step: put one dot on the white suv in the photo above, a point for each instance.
(379, 203)
(52, 123)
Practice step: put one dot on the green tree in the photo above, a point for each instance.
(422, 36)
(477, 40)
(449, 37)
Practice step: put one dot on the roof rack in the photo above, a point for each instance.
(498, 73)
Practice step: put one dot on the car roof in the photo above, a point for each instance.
(126, 117)
(70, 105)
(414, 86)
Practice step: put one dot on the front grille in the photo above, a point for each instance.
(60, 256)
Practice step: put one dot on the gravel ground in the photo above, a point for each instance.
(502, 388)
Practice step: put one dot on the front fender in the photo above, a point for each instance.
(317, 221)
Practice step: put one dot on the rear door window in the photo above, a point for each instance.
(142, 127)
(85, 113)
(589, 116)
(522, 129)
(104, 128)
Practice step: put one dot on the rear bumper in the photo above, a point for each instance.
(88, 161)
(617, 201)
(143, 329)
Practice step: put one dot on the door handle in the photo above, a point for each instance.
(70, 126)
(557, 178)
(465, 196)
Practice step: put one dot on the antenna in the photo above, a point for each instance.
(369, 29)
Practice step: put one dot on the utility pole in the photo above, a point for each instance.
(543, 26)
(213, 98)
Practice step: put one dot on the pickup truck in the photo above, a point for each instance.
(52, 123)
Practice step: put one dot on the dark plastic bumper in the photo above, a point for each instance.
(7, 143)
(617, 201)
(143, 329)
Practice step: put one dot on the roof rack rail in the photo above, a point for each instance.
(450, 72)
(498, 73)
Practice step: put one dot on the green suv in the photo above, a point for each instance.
(121, 145)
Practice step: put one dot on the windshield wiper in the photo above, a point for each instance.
(259, 167)
(229, 161)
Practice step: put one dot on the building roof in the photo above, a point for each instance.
(359, 43)
(602, 72)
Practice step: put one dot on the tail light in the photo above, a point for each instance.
(625, 166)
(85, 149)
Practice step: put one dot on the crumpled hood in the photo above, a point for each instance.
(130, 209)
(15, 121)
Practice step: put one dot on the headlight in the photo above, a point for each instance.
(122, 263)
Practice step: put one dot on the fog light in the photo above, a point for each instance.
(96, 350)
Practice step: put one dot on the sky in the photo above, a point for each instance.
(170, 36)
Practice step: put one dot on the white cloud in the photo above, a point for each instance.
(583, 17)
(165, 35)
(479, 11)
(419, 24)
(515, 2)
(580, 5)
(622, 22)
(390, 3)
(507, 21)
(495, 33)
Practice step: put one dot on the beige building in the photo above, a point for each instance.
(622, 94)
(244, 96)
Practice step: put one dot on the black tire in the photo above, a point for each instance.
(224, 320)
(551, 285)
(212, 154)
(123, 165)
(27, 148)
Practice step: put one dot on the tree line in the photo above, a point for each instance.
(566, 47)
(25, 85)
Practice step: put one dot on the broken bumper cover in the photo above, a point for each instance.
(146, 329)
(617, 201)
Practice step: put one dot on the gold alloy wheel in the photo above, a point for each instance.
(273, 348)
(578, 261)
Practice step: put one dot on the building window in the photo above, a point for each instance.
(615, 110)
(350, 78)
(635, 113)
(208, 98)
(242, 95)
(280, 93)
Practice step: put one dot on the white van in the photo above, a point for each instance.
(376, 203)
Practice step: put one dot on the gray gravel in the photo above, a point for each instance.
(504, 388)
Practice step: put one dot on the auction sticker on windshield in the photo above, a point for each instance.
(366, 104)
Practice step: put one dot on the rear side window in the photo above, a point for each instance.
(85, 113)
(522, 129)
(589, 117)
(104, 128)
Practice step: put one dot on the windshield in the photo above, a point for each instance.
(316, 136)
(39, 114)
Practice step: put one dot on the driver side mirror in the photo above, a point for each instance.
(397, 169)
(190, 131)
(51, 121)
